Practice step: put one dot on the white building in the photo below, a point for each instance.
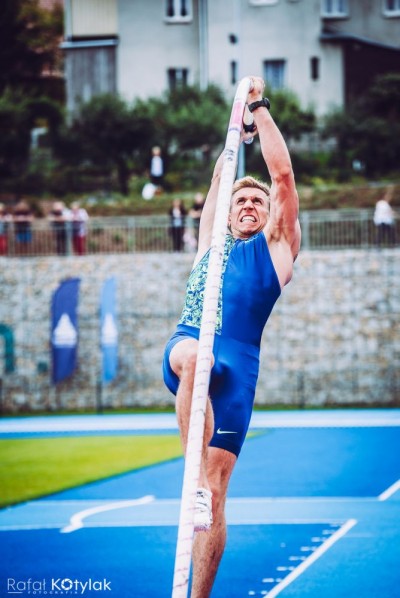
(326, 51)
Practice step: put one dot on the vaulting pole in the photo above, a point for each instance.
(206, 341)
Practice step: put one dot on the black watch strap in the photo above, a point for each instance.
(261, 103)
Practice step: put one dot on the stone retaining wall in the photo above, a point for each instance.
(333, 337)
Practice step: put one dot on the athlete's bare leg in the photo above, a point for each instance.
(183, 362)
(208, 547)
(216, 469)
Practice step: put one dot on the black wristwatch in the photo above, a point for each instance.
(260, 103)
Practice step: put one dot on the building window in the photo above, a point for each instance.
(391, 8)
(334, 8)
(262, 2)
(177, 78)
(234, 72)
(314, 63)
(274, 74)
(178, 11)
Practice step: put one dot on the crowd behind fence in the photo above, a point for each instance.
(321, 229)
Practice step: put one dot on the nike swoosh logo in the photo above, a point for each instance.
(219, 431)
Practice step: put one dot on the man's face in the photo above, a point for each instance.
(249, 212)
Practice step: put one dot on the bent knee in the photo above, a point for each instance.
(218, 501)
(183, 358)
(220, 465)
(188, 363)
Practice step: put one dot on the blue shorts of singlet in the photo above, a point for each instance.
(232, 385)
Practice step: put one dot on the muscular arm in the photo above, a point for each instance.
(283, 224)
(208, 213)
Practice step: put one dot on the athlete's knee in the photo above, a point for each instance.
(218, 500)
(219, 491)
(220, 464)
(183, 358)
(188, 362)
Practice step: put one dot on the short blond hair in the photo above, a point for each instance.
(252, 183)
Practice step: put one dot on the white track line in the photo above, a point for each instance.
(312, 558)
(167, 422)
(390, 491)
(76, 521)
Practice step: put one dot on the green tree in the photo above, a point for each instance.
(292, 120)
(29, 44)
(15, 136)
(189, 124)
(369, 131)
(197, 118)
(115, 136)
(187, 118)
(111, 135)
(18, 116)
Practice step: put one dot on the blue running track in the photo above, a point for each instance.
(313, 511)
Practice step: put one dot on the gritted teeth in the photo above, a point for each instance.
(248, 218)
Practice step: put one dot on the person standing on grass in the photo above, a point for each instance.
(260, 248)
(157, 168)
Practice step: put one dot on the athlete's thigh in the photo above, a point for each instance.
(232, 391)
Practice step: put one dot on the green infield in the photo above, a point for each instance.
(35, 467)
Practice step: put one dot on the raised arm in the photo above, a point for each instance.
(208, 213)
(283, 224)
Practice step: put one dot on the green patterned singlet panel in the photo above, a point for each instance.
(193, 308)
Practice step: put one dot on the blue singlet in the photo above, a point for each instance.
(249, 290)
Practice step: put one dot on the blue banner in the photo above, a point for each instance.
(64, 329)
(109, 331)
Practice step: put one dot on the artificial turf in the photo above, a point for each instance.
(35, 467)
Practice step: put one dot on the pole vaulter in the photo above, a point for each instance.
(206, 340)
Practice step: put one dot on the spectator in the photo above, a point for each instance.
(177, 215)
(195, 214)
(79, 217)
(59, 217)
(23, 219)
(156, 168)
(4, 221)
(384, 219)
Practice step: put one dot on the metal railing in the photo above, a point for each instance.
(321, 229)
(342, 229)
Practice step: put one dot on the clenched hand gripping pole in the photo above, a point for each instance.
(206, 340)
